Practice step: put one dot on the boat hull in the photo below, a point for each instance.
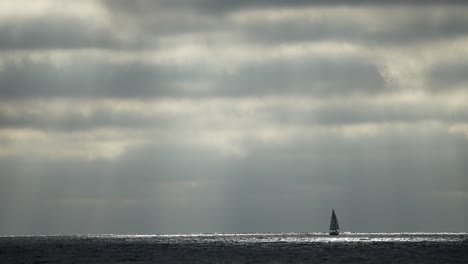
(334, 233)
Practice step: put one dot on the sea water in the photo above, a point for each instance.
(238, 248)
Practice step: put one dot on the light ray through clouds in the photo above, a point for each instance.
(232, 116)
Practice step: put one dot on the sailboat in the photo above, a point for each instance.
(334, 226)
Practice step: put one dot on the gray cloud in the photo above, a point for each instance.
(392, 30)
(307, 76)
(448, 76)
(208, 136)
(341, 113)
(56, 32)
(71, 120)
(141, 80)
(85, 78)
(224, 6)
(213, 6)
(174, 17)
(238, 194)
(416, 24)
(352, 114)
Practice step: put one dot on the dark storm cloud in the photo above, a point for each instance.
(61, 32)
(316, 75)
(216, 7)
(226, 5)
(416, 25)
(319, 76)
(87, 78)
(421, 28)
(154, 19)
(56, 32)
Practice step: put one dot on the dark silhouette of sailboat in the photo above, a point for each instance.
(334, 226)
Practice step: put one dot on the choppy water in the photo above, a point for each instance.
(238, 248)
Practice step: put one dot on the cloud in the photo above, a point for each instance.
(97, 128)
(122, 25)
(55, 32)
(43, 118)
(170, 181)
(142, 80)
(216, 7)
(388, 26)
(258, 52)
(448, 76)
(275, 22)
(308, 75)
(232, 116)
(84, 78)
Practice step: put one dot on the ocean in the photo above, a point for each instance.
(238, 248)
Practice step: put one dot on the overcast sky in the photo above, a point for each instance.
(178, 116)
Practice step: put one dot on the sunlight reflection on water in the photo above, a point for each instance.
(345, 237)
(238, 248)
